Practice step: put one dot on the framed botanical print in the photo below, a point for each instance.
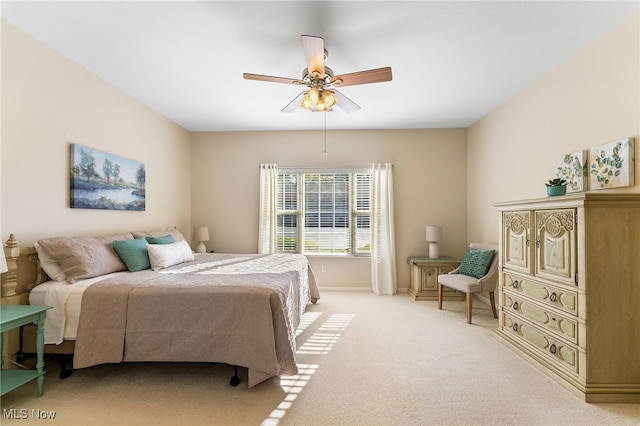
(612, 165)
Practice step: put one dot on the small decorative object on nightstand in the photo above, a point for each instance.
(434, 235)
(201, 234)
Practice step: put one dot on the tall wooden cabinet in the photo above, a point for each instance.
(569, 290)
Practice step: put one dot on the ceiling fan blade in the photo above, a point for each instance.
(314, 53)
(271, 79)
(363, 77)
(294, 104)
(345, 103)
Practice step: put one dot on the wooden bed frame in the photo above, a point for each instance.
(24, 273)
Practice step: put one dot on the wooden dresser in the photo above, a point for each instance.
(569, 290)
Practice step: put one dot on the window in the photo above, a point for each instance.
(326, 213)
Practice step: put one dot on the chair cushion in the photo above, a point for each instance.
(460, 282)
(476, 262)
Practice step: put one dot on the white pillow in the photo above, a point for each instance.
(49, 265)
(165, 255)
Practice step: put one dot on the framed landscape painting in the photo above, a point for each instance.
(612, 165)
(105, 181)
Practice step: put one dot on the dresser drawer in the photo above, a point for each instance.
(550, 347)
(563, 325)
(555, 296)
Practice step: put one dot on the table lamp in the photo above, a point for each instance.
(201, 234)
(434, 235)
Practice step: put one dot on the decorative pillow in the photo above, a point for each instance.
(133, 253)
(177, 235)
(165, 255)
(167, 239)
(85, 257)
(49, 265)
(476, 262)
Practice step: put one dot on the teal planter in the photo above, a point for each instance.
(556, 190)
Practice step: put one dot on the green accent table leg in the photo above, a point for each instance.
(40, 353)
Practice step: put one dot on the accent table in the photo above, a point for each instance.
(424, 277)
(13, 316)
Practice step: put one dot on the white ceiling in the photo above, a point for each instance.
(453, 62)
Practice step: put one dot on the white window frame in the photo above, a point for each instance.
(355, 213)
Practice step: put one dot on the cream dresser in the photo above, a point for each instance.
(569, 290)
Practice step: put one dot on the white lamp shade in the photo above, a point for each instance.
(201, 234)
(434, 233)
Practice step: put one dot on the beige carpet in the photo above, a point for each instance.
(364, 360)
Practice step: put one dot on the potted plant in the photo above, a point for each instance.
(556, 186)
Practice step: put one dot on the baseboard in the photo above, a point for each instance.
(357, 289)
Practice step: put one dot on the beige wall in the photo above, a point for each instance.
(591, 99)
(49, 102)
(447, 177)
(429, 188)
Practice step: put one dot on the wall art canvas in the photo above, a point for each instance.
(573, 168)
(612, 165)
(105, 181)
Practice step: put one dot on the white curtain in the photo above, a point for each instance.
(383, 250)
(268, 212)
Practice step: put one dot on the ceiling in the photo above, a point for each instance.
(453, 62)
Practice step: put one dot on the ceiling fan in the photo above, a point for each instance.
(321, 95)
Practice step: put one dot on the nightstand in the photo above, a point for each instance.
(14, 316)
(424, 277)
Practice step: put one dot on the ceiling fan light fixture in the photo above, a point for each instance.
(314, 94)
(329, 99)
(319, 78)
(317, 100)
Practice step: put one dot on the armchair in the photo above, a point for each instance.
(480, 282)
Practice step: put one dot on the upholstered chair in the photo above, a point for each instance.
(477, 273)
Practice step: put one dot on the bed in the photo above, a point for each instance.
(238, 309)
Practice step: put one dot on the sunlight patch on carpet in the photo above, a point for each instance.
(319, 343)
(307, 319)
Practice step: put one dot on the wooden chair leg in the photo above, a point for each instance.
(440, 296)
(492, 298)
(469, 307)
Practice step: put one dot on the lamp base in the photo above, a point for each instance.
(201, 248)
(434, 253)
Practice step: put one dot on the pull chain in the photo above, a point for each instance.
(325, 134)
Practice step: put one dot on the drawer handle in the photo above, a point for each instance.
(515, 284)
(552, 349)
(553, 297)
(515, 305)
(515, 327)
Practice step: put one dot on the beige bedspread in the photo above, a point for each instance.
(236, 309)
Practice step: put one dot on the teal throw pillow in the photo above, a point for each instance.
(133, 253)
(476, 262)
(167, 239)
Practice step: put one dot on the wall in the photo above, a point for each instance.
(429, 188)
(49, 102)
(591, 99)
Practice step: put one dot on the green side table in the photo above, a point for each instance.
(14, 316)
